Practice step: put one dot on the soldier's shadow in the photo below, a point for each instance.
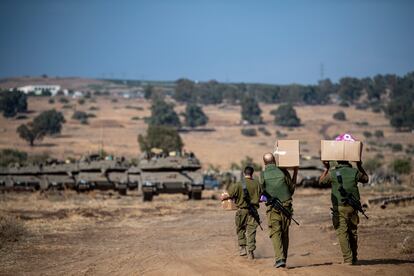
(384, 261)
(312, 265)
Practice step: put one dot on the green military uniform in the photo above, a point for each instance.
(344, 218)
(245, 223)
(277, 183)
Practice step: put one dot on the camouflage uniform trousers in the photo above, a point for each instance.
(345, 221)
(278, 232)
(246, 229)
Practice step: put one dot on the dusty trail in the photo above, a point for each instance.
(193, 238)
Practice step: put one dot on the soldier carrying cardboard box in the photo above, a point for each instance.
(344, 179)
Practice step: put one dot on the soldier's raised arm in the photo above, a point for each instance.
(362, 176)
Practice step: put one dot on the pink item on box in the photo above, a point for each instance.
(346, 137)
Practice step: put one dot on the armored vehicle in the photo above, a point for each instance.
(176, 173)
(309, 173)
(102, 174)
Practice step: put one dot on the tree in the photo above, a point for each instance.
(285, 115)
(49, 122)
(194, 116)
(148, 91)
(349, 89)
(184, 91)
(250, 110)
(30, 133)
(162, 137)
(12, 102)
(163, 114)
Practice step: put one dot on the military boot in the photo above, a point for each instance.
(243, 251)
(250, 255)
(280, 264)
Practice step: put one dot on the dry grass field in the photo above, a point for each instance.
(115, 128)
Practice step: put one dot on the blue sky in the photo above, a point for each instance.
(250, 41)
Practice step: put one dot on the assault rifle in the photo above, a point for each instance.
(252, 210)
(278, 205)
(349, 198)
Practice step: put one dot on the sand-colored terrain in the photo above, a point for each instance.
(98, 234)
(115, 128)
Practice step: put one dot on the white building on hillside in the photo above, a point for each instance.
(38, 89)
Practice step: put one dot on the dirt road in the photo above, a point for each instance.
(101, 234)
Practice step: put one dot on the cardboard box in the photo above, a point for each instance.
(287, 153)
(341, 150)
(228, 205)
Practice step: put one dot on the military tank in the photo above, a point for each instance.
(174, 173)
(91, 172)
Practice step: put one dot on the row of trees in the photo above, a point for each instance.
(389, 93)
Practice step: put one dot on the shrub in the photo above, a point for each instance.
(401, 166)
(363, 123)
(63, 100)
(67, 106)
(264, 131)
(285, 115)
(9, 156)
(280, 134)
(11, 230)
(195, 116)
(396, 147)
(379, 133)
(340, 116)
(367, 134)
(93, 108)
(21, 117)
(51, 101)
(136, 118)
(371, 165)
(114, 100)
(81, 101)
(250, 132)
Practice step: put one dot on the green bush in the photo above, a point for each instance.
(250, 110)
(195, 116)
(9, 156)
(344, 104)
(371, 165)
(363, 123)
(401, 166)
(163, 114)
(63, 100)
(379, 134)
(51, 101)
(250, 132)
(367, 134)
(162, 137)
(81, 101)
(396, 147)
(285, 115)
(12, 102)
(340, 116)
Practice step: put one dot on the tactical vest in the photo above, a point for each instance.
(275, 183)
(349, 180)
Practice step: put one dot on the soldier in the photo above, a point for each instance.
(278, 183)
(245, 222)
(344, 218)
